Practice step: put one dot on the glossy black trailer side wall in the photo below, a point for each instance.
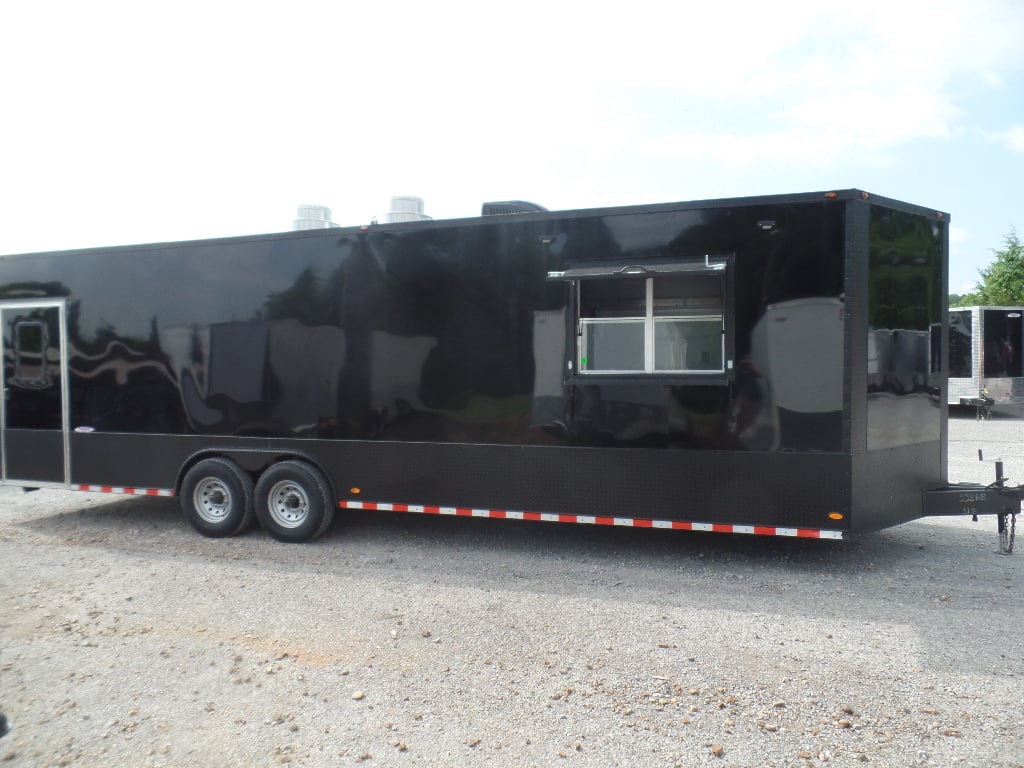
(428, 363)
(899, 430)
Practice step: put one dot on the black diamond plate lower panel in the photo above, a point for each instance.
(793, 490)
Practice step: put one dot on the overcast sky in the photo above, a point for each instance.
(150, 121)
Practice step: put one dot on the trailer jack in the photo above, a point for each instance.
(1007, 531)
(1007, 519)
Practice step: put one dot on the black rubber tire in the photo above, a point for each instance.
(294, 502)
(217, 498)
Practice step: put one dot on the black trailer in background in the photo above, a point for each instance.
(766, 365)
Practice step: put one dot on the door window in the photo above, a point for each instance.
(30, 345)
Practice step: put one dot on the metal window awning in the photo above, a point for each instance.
(709, 266)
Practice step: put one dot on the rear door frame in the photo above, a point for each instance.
(7, 308)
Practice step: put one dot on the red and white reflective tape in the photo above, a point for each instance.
(627, 522)
(124, 490)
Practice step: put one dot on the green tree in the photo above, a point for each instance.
(972, 299)
(1002, 281)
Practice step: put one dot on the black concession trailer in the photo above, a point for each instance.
(768, 365)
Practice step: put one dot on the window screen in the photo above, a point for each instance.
(662, 324)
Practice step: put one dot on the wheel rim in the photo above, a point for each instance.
(212, 500)
(288, 504)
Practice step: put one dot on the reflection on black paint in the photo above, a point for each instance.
(452, 333)
(904, 303)
(32, 396)
(798, 354)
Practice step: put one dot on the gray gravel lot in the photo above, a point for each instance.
(129, 640)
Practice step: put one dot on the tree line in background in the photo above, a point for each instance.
(1002, 281)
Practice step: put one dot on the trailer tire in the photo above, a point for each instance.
(294, 502)
(217, 498)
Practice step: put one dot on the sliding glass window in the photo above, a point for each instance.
(663, 324)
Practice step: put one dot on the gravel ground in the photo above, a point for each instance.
(129, 640)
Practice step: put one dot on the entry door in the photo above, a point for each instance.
(34, 409)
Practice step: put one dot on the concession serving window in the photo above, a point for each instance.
(664, 318)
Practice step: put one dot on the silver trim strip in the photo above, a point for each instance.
(65, 386)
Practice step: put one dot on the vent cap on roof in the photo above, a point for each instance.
(510, 206)
(313, 217)
(405, 208)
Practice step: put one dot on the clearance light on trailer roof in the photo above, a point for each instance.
(834, 195)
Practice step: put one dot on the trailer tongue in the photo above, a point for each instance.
(997, 498)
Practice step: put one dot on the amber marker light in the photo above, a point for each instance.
(836, 515)
(831, 195)
(355, 491)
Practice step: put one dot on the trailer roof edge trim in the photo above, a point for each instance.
(832, 196)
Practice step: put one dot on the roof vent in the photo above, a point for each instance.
(405, 208)
(313, 217)
(510, 206)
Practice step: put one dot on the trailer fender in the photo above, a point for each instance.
(252, 460)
